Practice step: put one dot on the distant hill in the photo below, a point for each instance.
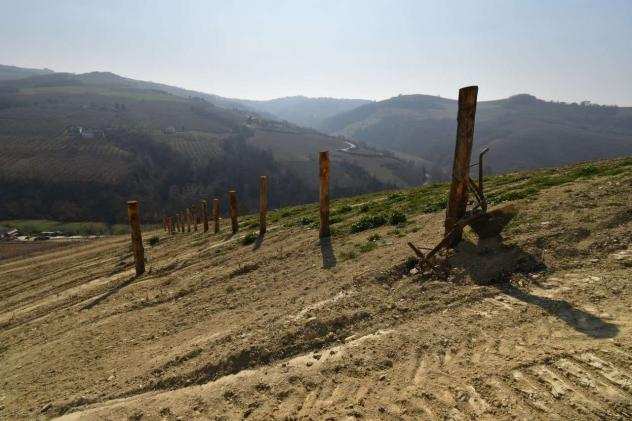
(75, 147)
(13, 72)
(522, 131)
(304, 111)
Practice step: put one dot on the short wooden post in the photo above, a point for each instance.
(169, 225)
(179, 221)
(188, 216)
(137, 239)
(232, 207)
(457, 201)
(263, 203)
(204, 207)
(172, 225)
(323, 174)
(216, 215)
(164, 223)
(195, 217)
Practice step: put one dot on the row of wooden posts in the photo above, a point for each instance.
(191, 217)
(456, 209)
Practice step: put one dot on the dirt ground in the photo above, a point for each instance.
(293, 329)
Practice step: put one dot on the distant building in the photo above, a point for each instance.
(169, 130)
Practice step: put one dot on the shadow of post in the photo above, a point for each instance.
(490, 262)
(258, 242)
(579, 320)
(326, 249)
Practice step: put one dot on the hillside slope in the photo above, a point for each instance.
(304, 111)
(75, 147)
(522, 131)
(535, 326)
(14, 72)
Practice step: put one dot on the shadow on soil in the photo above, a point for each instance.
(109, 293)
(259, 241)
(491, 262)
(326, 249)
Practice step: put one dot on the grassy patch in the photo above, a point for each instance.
(368, 222)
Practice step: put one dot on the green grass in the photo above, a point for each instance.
(36, 226)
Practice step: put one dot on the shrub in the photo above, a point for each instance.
(364, 248)
(154, 240)
(343, 209)
(374, 237)
(306, 220)
(396, 218)
(250, 238)
(368, 222)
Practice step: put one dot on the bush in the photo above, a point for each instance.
(250, 238)
(364, 248)
(396, 218)
(368, 222)
(343, 209)
(154, 240)
(374, 237)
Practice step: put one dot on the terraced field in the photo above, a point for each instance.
(534, 325)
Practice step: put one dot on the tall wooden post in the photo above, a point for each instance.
(323, 175)
(176, 222)
(457, 200)
(169, 225)
(263, 203)
(164, 223)
(137, 239)
(181, 222)
(188, 216)
(204, 207)
(232, 204)
(216, 215)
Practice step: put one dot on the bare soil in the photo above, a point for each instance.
(535, 324)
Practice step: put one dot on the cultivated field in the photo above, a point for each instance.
(534, 326)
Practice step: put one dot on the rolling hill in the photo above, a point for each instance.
(13, 72)
(304, 111)
(522, 131)
(75, 147)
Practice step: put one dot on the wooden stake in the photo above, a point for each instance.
(323, 174)
(216, 215)
(263, 203)
(137, 239)
(457, 200)
(195, 217)
(204, 207)
(232, 203)
(188, 216)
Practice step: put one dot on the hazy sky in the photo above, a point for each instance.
(554, 49)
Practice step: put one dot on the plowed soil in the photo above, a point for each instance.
(536, 325)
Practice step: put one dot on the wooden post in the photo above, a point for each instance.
(180, 224)
(137, 239)
(232, 204)
(172, 225)
(204, 207)
(216, 215)
(263, 203)
(195, 217)
(323, 174)
(164, 223)
(188, 216)
(457, 200)
(169, 225)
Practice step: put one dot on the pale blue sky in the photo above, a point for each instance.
(569, 50)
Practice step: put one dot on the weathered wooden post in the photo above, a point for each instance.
(232, 207)
(164, 224)
(323, 174)
(188, 216)
(172, 225)
(263, 203)
(204, 208)
(457, 201)
(137, 239)
(216, 215)
(169, 225)
(195, 217)
(180, 223)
